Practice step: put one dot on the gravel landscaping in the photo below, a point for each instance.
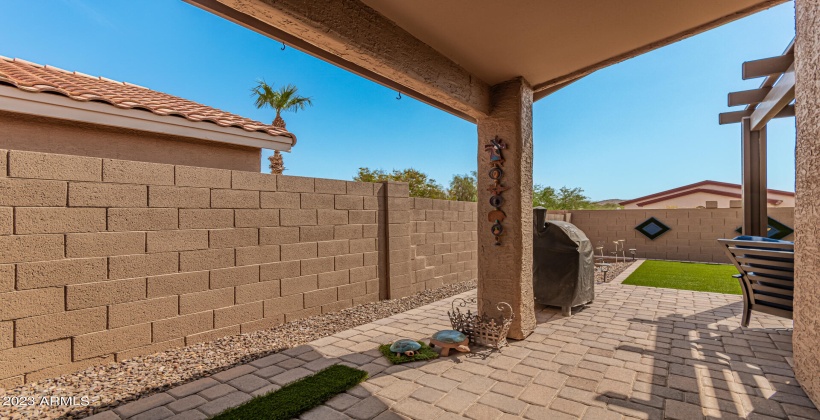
(114, 384)
(614, 270)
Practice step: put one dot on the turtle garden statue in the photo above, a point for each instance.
(405, 346)
(450, 339)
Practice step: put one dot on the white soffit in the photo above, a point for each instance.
(546, 40)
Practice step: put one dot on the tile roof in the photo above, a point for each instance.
(32, 77)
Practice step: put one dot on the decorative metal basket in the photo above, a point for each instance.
(482, 329)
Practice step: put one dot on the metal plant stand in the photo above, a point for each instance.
(619, 248)
(482, 329)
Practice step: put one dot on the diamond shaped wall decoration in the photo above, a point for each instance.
(776, 230)
(652, 228)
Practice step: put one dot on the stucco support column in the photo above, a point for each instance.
(806, 338)
(505, 270)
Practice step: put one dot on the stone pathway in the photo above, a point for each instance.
(637, 352)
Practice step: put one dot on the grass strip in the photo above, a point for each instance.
(297, 397)
(424, 353)
(715, 278)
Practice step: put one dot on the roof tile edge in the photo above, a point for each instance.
(204, 113)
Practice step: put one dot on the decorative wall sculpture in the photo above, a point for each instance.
(494, 147)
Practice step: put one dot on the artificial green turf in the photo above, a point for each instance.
(716, 278)
(297, 397)
(424, 353)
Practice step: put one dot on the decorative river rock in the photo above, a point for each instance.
(405, 346)
(450, 339)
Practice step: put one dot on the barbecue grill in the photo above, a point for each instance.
(563, 267)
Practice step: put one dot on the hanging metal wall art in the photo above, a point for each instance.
(494, 147)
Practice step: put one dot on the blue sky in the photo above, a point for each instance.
(635, 128)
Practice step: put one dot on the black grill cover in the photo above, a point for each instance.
(563, 267)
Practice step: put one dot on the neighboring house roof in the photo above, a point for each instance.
(36, 78)
(696, 188)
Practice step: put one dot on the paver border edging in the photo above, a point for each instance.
(626, 273)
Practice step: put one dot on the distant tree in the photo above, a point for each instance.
(420, 185)
(463, 187)
(284, 99)
(565, 199)
(371, 175)
(572, 199)
(544, 197)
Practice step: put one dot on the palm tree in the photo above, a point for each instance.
(277, 164)
(284, 99)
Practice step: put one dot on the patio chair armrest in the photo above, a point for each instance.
(737, 276)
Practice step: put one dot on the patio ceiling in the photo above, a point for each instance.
(448, 53)
(550, 42)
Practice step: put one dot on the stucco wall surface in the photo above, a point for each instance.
(692, 237)
(102, 260)
(806, 337)
(505, 270)
(47, 135)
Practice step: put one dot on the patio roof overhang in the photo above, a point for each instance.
(486, 62)
(449, 53)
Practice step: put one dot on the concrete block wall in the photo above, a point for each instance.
(443, 242)
(693, 235)
(102, 260)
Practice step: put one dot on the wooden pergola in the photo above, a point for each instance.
(773, 99)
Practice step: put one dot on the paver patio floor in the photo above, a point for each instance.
(636, 352)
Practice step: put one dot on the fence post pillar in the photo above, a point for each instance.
(397, 239)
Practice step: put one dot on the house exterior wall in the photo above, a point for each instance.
(37, 134)
(102, 260)
(806, 339)
(699, 199)
(693, 235)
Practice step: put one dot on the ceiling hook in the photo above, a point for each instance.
(398, 97)
(283, 47)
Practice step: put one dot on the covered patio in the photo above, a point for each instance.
(487, 62)
(637, 352)
(634, 352)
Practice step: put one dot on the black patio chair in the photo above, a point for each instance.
(766, 276)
